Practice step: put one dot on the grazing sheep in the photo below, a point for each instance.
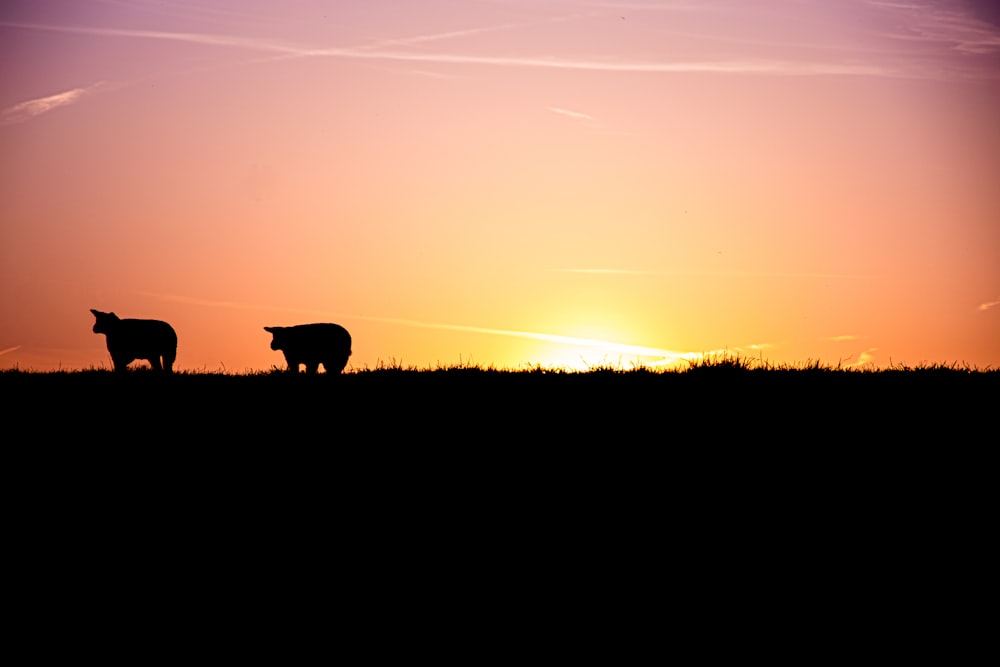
(132, 339)
(312, 345)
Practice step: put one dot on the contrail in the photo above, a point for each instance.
(188, 37)
(747, 66)
(610, 346)
(705, 274)
(621, 348)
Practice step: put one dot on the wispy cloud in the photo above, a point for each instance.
(956, 26)
(9, 350)
(988, 305)
(610, 347)
(32, 108)
(607, 346)
(653, 6)
(439, 36)
(945, 22)
(864, 358)
(579, 117)
(772, 67)
(374, 52)
(847, 337)
(187, 37)
(706, 274)
(210, 303)
(571, 114)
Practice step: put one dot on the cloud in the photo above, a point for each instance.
(989, 304)
(707, 274)
(188, 37)
(985, 10)
(970, 28)
(572, 114)
(176, 298)
(865, 358)
(32, 108)
(665, 356)
(609, 346)
(374, 52)
(435, 37)
(952, 24)
(773, 67)
(9, 350)
(847, 337)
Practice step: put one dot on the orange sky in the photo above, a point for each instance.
(503, 182)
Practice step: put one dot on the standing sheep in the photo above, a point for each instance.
(131, 339)
(312, 345)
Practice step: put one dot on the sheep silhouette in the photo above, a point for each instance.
(312, 345)
(131, 339)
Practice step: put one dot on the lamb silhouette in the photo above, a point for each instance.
(131, 339)
(312, 345)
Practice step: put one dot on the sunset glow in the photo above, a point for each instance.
(509, 183)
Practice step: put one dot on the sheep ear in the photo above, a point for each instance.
(95, 312)
(269, 329)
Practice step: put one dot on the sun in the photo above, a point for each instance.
(585, 354)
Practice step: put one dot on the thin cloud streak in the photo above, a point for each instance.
(176, 298)
(186, 37)
(675, 7)
(10, 349)
(949, 26)
(30, 109)
(989, 304)
(620, 348)
(864, 358)
(751, 66)
(773, 67)
(707, 274)
(572, 114)
(437, 37)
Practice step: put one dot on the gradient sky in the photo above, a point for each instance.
(503, 182)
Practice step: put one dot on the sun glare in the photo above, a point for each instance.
(583, 354)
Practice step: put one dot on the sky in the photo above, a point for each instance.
(507, 183)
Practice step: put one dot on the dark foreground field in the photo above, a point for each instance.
(723, 487)
(721, 403)
(719, 430)
(384, 435)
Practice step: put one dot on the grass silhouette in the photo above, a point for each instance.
(740, 453)
(727, 398)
